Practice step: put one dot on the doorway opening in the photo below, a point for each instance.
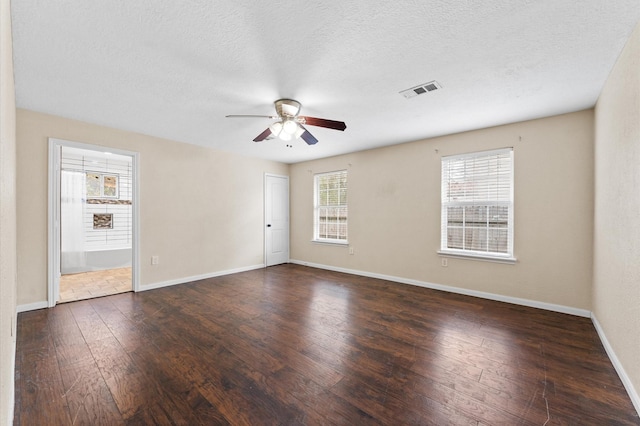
(92, 219)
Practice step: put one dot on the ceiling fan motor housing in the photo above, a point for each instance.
(287, 107)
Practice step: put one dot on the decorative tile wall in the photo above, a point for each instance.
(103, 221)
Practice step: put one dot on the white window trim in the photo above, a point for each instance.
(316, 239)
(476, 255)
(508, 257)
(330, 242)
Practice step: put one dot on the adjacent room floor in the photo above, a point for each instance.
(296, 345)
(87, 285)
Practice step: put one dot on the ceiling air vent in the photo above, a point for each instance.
(423, 88)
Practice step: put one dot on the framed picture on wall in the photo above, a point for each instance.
(110, 186)
(102, 185)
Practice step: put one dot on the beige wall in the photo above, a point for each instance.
(616, 284)
(394, 211)
(201, 210)
(7, 217)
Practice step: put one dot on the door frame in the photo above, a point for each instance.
(53, 214)
(264, 217)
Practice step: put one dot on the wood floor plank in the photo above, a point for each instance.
(89, 399)
(322, 406)
(297, 345)
(91, 325)
(180, 399)
(126, 384)
(42, 397)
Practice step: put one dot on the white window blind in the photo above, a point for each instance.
(330, 207)
(477, 204)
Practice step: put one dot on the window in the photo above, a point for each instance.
(102, 185)
(477, 205)
(330, 207)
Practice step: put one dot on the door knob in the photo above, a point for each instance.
(269, 225)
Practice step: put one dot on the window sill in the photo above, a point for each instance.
(476, 256)
(331, 243)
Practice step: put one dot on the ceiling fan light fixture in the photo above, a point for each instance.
(276, 128)
(290, 127)
(285, 136)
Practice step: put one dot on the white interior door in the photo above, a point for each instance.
(276, 216)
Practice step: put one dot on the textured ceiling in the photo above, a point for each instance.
(174, 69)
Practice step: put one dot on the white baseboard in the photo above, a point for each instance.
(45, 304)
(32, 306)
(484, 295)
(626, 381)
(198, 277)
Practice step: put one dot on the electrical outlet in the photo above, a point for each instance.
(443, 261)
(351, 251)
(155, 260)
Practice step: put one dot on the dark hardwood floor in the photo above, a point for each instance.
(294, 345)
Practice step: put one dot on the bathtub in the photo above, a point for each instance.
(96, 260)
(108, 259)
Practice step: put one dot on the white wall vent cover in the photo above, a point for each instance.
(423, 88)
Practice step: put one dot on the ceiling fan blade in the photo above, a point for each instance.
(250, 116)
(323, 122)
(308, 137)
(262, 136)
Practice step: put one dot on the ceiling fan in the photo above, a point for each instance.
(289, 125)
